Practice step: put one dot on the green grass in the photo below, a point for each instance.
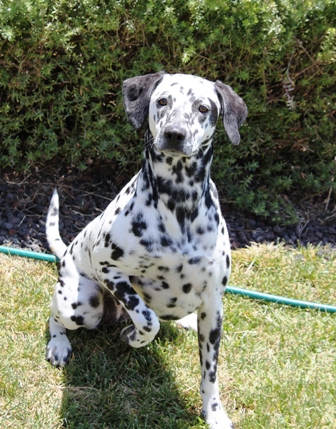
(277, 364)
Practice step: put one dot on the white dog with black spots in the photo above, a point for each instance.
(160, 251)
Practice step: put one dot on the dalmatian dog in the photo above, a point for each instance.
(160, 251)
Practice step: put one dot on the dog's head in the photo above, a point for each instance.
(182, 110)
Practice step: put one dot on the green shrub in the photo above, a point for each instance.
(63, 63)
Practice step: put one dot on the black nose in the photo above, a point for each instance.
(174, 135)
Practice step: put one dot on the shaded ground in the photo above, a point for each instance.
(24, 200)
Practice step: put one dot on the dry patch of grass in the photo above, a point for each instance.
(277, 364)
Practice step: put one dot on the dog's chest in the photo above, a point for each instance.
(176, 284)
(172, 264)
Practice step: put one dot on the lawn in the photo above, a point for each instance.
(277, 364)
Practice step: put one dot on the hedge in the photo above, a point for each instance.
(63, 63)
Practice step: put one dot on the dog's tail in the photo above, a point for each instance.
(55, 242)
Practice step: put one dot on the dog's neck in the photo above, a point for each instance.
(181, 183)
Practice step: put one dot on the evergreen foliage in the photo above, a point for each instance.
(63, 63)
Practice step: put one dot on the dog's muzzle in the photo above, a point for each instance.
(174, 138)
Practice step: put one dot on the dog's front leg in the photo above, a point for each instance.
(210, 317)
(146, 323)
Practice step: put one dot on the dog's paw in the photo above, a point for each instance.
(59, 351)
(216, 418)
(136, 338)
(219, 420)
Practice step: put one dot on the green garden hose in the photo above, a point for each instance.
(230, 289)
(28, 254)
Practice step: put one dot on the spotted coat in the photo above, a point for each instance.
(160, 251)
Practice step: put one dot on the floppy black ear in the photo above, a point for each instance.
(234, 110)
(136, 93)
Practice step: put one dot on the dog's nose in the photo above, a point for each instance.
(174, 135)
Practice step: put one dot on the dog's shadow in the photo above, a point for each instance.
(111, 385)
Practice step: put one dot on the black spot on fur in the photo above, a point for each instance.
(165, 285)
(181, 216)
(161, 227)
(208, 200)
(172, 303)
(164, 186)
(107, 240)
(147, 329)
(224, 281)
(117, 252)
(187, 287)
(194, 215)
(212, 376)
(122, 289)
(148, 244)
(227, 261)
(177, 169)
(94, 301)
(147, 297)
(147, 315)
(214, 406)
(193, 261)
(215, 334)
(110, 285)
(166, 241)
(54, 211)
(79, 320)
(171, 205)
(139, 225)
(74, 305)
(132, 302)
(149, 200)
(191, 169)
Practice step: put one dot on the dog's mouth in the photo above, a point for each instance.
(176, 153)
(183, 150)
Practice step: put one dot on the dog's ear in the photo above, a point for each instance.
(234, 110)
(136, 93)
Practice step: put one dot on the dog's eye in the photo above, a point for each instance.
(163, 102)
(203, 109)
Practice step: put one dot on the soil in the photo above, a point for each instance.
(24, 200)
